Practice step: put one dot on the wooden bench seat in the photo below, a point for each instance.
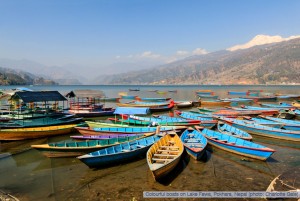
(164, 150)
(165, 155)
(161, 159)
(169, 147)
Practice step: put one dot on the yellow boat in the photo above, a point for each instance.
(35, 132)
(215, 103)
(295, 104)
(164, 155)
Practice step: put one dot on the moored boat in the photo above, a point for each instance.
(119, 153)
(120, 130)
(35, 132)
(164, 155)
(214, 103)
(236, 145)
(72, 149)
(194, 143)
(232, 131)
(265, 131)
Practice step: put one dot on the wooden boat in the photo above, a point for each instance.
(120, 130)
(130, 97)
(232, 131)
(173, 91)
(183, 104)
(101, 137)
(161, 92)
(143, 104)
(207, 122)
(204, 92)
(296, 104)
(41, 121)
(207, 96)
(265, 131)
(214, 103)
(246, 93)
(36, 132)
(174, 125)
(287, 96)
(72, 149)
(265, 122)
(164, 155)
(194, 143)
(280, 105)
(165, 120)
(97, 124)
(238, 100)
(152, 99)
(193, 115)
(134, 89)
(236, 145)
(162, 108)
(263, 98)
(287, 124)
(93, 113)
(119, 153)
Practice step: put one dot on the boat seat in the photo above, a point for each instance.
(125, 150)
(191, 140)
(140, 146)
(163, 150)
(165, 155)
(191, 135)
(169, 147)
(162, 159)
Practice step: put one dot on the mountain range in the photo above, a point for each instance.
(262, 60)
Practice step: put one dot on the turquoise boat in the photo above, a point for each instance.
(265, 131)
(208, 122)
(78, 148)
(194, 143)
(287, 124)
(118, 154)
(236, 145)
(232, 131)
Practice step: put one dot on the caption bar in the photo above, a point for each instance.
(221, 194)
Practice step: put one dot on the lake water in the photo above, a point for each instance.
(30, 176)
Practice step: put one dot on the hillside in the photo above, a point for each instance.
(14, 77)
(276, 63)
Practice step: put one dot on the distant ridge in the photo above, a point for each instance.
(274, 63)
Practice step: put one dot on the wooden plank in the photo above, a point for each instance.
(164, 150)
(165, 155)
(161, 159)
(172, 147)
(125, 150)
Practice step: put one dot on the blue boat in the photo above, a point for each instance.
(207, 96)
(208, 122)
(194, 143)
(192, 115)
(130, 129)
(236, 145)
(265, 131)
(266, 122)
(152, 99)
(238, 93)
(238, 100)
(232, 131)
(288, 124)
(280, 105)
(119, 153)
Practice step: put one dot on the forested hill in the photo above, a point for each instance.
(276, 63)
(14, 77)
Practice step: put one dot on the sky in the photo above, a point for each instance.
(101, 33)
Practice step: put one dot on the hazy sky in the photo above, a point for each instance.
(103, 32)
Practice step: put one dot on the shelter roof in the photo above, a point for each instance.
(38, 96)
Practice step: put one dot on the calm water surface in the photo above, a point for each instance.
(28, 175)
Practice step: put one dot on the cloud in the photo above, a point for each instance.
(182, 53)
(154, 57)
(149, 54)
(261, 40)
(199, 51)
